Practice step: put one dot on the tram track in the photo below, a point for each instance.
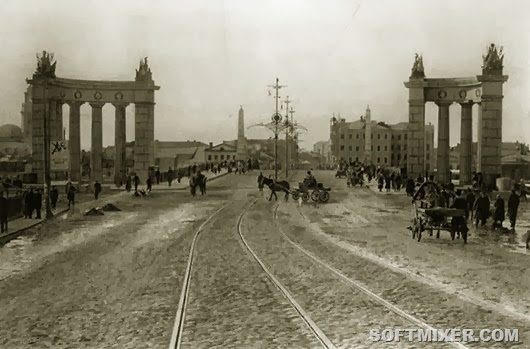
(362, 287)
(248, 253)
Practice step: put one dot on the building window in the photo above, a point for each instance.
(378, 148)
(405, 157)
(399, 157)
(398, 147)
(405, 146)
(391, 147)
(341, 147)
(356, 148)
(427, 156)
(378, 136)
(233, 157)
(210, 157)
(364, 136)
(351, 136)
(222, 157)
(215, 157)
(385, 160)
(378, 160)
(386, 148)
(342, 136)
(405, 136)
(427, 146)
(351, 148)
(372, 136)
(391, 157)
(357, 136)
(357, 159)
(399, 137)
(386, 136)
(392, 136)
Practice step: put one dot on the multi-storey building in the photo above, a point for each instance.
(376, 143)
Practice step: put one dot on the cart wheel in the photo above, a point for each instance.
(305, 196)
(296, 195)
(324, 196)
(315, 195)
(464, 237)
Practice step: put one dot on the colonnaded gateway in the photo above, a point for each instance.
(49, 93)
(484, 90)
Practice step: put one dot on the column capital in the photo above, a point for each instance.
(120, 104)
(466, 104)
(443, 103)
(97, 105)
(75, 104)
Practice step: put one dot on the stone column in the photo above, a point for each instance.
(96, 166)
(490, 126)
(466, 142)
(120, 162)
(38, 111)
(144, 126)
(442, 164)
(59, 121)
(416, 137)
(74, 142)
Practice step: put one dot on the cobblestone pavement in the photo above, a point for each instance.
(232, 304)
(104, 281)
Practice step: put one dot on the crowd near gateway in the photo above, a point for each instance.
(189, 213)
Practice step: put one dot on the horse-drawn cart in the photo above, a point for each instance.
(316, 192)
(427, 216)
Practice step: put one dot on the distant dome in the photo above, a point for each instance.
(10, 132)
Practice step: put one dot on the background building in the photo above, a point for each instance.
(375, 142)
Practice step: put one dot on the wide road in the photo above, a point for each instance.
(264, 274)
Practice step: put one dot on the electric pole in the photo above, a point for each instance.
(287, 125)
(276, 119)
(291, 130)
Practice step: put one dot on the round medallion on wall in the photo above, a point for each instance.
(98, 95)
(462, 94)
(477, 92)
(442, 94)
(78, 94)
(118, 96)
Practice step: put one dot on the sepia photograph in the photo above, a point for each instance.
(264, 174)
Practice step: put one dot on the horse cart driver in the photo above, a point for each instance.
(310, 181)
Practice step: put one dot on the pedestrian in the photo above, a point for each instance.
(482, 209)
(398, 181)
(470, 199)
(498, 213)
(37, 203)
(409, 187)
(136, 181)
(97, 189)
(157, 175)
(513, 206)
(388, 183)
(260, 181)
(71, 196)
(169, 177)
(54, 196)
(128, 183)
(28, 203)
(459, 222)
(4, 212)
(380, 182)
(149, 184)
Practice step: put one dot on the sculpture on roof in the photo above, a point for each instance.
(492, 61)
(143, 73)
(417, 67)
(45, 66)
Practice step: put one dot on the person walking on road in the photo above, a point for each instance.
(28, 203)
(54, 196)
(157, 175)
(71, 196)
(498, 213)
(260, 181)
(169, 177)
(149, 183)
(4, 212)
(97, 189)
(136, 181)
(37, 203)
(513, 206)
(380, 182)
(128, 183)
(482, 209)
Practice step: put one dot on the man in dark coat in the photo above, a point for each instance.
(149, 183)
(409, 187)
(4, 212)
(136, 181)
(97, 189)
(157, 175)
(28, 203)
(260, 181)
(498, 213)
(54, 196)
(513, 206)
(169, 177)
(71, 196)
(482, 209)
(128, 183)
(458, 222)
(470, 199)
(37, 202)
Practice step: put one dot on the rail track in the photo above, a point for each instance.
(178, 327)
(362, 287)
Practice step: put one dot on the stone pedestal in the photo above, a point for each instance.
(416, 139)
(120, 163)
(96, 166)
(443, 172)
(466, 143)
(144, 126)
(74, 142)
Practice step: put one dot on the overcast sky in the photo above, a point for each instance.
(210, 56)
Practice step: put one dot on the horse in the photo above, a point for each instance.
(200, 181)
(275, 186)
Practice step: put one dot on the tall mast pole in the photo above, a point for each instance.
(287, 102)
(291, 130)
